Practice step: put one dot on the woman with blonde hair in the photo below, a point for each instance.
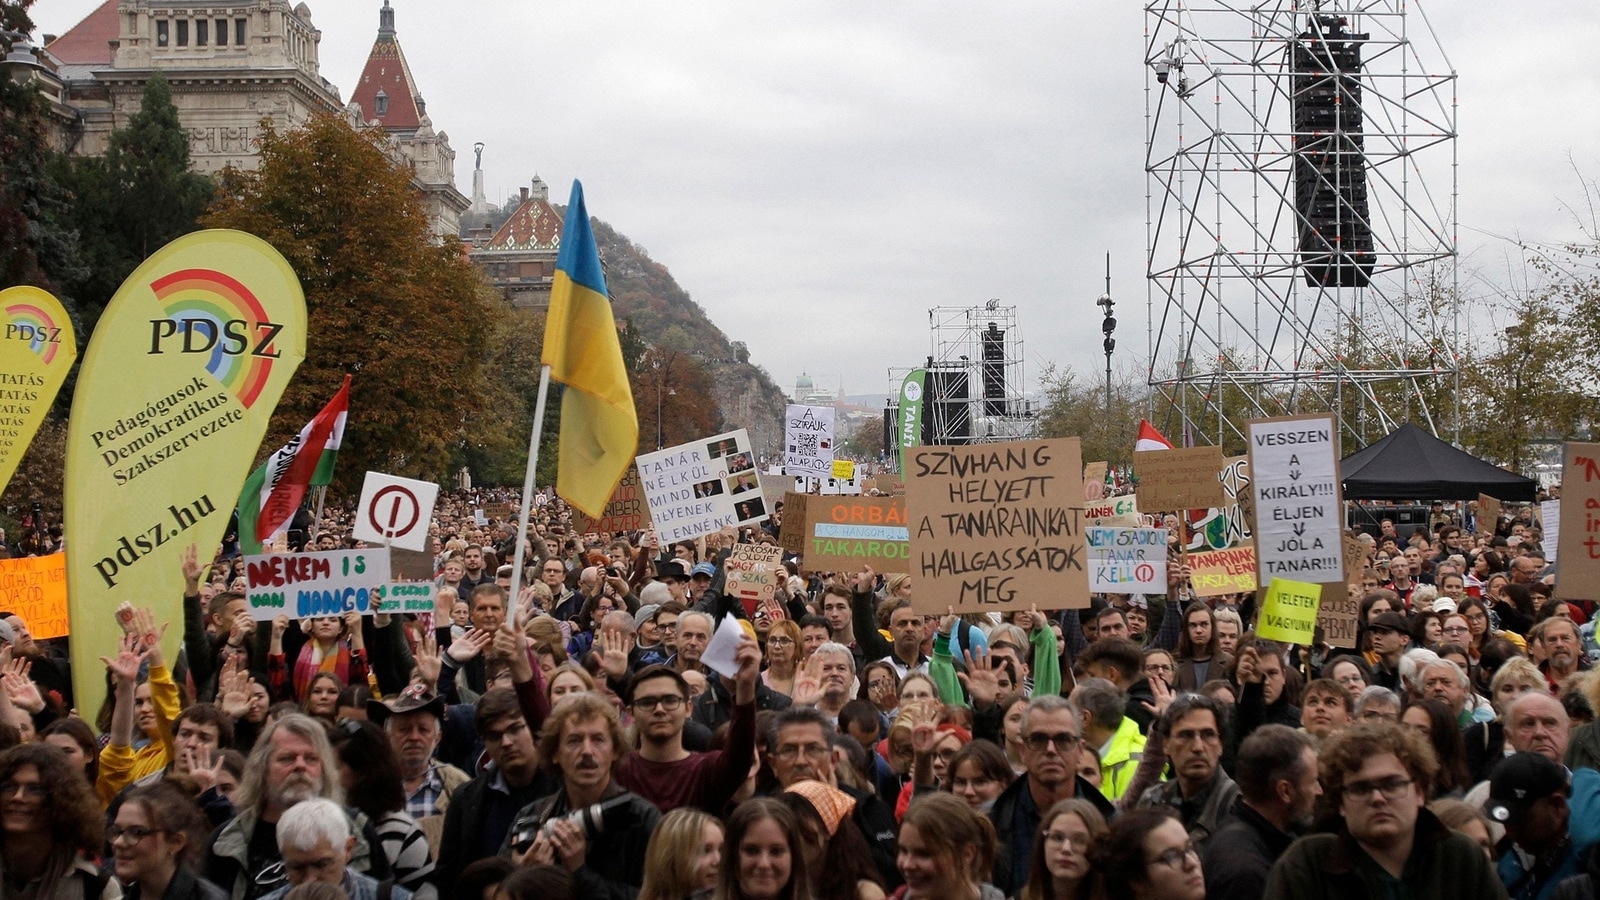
(683, 857)
(566, 679)
(945, 851)
(783, 656)
(1485, 742)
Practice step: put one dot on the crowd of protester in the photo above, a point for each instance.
(569, 741)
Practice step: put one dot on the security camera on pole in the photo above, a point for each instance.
(1108, 326)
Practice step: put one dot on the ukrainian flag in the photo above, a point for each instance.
(599, 426)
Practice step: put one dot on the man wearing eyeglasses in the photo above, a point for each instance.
(661, 770)
(801, 747)
(1051, 745)
(1191, 734)
(1377, 778)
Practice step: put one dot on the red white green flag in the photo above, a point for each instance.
(274, 490)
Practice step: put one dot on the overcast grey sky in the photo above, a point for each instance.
(818, 174)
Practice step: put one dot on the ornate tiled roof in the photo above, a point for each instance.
(386, 91)
(89, 41)
(534, 226)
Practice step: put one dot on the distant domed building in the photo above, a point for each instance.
(807, 392)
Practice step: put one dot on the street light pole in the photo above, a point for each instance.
(669, 392)
(1108, 325)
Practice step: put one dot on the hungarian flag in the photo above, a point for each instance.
(1150, 438)
(274, 491)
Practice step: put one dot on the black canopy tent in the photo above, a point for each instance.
(1411, 464)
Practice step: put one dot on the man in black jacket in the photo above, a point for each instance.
(1278, 786)
(583, 744)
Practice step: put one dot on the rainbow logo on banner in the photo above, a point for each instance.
(44, 325)
(205, 296)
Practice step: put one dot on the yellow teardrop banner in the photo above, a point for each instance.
(37, 349)
(179, 382)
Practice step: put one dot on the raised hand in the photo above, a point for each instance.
(865, 579)
(808, 683)
(233, 688)
(204, 767)
(612, 646)
(1162, 695)
(947, 625)
(428, 661)
(1037, 621)
(463, 649)
(924, 737)
(193, 571)
(20, 689)
(1249, 667)
(981, 680)
(126, 666)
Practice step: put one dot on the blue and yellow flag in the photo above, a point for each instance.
(599, 426)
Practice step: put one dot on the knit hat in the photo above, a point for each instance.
(644, 614)
(831, 804)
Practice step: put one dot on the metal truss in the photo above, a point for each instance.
(1235, 329)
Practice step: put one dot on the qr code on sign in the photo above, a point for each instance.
(804, 445)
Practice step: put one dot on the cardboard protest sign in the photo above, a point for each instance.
(417, 598)
(1180, 478)
(1337, 616)
(701, 487)
(1217, 572)
(1289, 612)
(996, 527)
(845, 533)
(1113, 511)
(750, 575)
(1355, 559)
(411, 565)
(1488, 513)
(1127, 560)
(808, 435)
(325, 583)
(625, 511)
(1221, 527)
(1294, 467)
(35, 588)
(773, 487)
(792, 533)
(1579, 535)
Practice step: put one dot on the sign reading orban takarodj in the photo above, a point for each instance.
(324, 583)
(1294, 470)
(845, 533)
(1127, 560)
(175, 392)
(996, 527)
(37, 349)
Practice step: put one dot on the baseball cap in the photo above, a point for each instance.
(705, 568)
(1521, 780)
(1392, 621)
(1444, 605)
(415, 698)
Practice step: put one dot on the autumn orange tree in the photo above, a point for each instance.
(677, 385)
(388, 302)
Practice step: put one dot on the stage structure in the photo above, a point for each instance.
(1301, 216)
(973, 392)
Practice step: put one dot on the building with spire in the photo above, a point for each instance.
(230, 66)
(518, 255)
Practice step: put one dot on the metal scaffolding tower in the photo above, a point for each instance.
(1301, 216)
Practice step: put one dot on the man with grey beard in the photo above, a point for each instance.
(292, 762)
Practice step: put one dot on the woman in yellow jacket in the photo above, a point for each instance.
(152, 705)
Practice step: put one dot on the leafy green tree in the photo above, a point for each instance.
(1074, 407)
(135, 199)
(405, 314)
(37, 245)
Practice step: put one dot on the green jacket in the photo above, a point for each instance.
(1121, 759)
(1045, 668)
(1444, 865)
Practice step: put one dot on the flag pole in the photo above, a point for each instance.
(527, 486)
(316, 517)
